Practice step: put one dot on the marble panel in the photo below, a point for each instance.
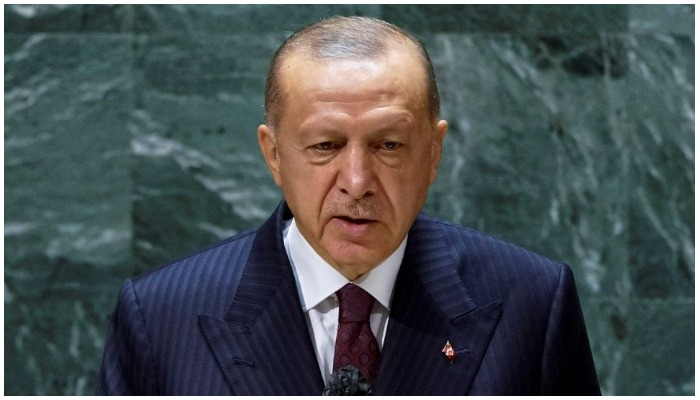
(578, 19)
(198, 172)
(502, 18)
(66, 144)
(652, 110)
(676, 19)
(419, 18)
(643, 346)
(29, 18)
(243, 18)
(68, 226)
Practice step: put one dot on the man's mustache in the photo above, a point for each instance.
(365, 208)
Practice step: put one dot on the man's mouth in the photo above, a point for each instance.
(358, 221)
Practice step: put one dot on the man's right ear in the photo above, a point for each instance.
(268, 146)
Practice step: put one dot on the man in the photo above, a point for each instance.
(347, 289)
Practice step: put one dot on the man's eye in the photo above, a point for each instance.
(391, 146)
(325, 146)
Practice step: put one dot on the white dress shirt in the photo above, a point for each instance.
(317, 281)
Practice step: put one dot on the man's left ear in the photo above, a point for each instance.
(439, 136)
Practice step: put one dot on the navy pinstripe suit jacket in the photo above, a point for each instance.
(228, 320)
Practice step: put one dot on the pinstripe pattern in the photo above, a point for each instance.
(228, 321)
(154, 345)
(264, 343)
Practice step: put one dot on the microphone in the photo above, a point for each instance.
(348, 381)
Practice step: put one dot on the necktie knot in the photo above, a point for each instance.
(355, 304)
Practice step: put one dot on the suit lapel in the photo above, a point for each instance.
(430, 307)
(263, 345)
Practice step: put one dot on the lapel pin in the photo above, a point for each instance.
(449, 352)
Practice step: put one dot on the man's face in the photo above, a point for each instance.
(354, 153)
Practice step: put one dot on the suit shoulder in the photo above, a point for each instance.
(213, 269)
(216, 250)
(489, 254)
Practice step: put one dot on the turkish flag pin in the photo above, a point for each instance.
(449, 352)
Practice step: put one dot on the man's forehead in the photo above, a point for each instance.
(395, 65)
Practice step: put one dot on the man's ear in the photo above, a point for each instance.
(268, 146)
(440, 131)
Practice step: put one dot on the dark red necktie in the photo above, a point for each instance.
(355, 343)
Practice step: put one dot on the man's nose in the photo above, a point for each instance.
(356, 177)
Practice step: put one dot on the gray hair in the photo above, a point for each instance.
(344, 38)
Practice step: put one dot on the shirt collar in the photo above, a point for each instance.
(317, 280)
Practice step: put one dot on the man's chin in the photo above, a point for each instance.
(353, 260)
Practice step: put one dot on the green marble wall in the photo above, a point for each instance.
(130, 140)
